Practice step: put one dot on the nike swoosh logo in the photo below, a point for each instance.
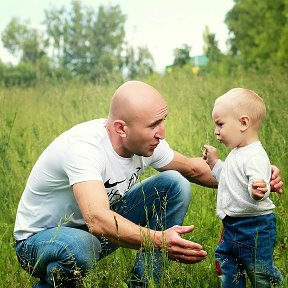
(109, 185)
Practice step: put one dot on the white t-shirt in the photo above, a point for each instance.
(80, 154)
(235, 176)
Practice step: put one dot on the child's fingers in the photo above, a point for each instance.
(205, 154)
(258, 183)
(262, 189)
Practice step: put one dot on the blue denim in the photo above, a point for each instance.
(158, 202)
(247, 244)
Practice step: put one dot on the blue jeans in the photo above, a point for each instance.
(158, 202)
(247, 244)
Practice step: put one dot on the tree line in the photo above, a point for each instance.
(258, 40)
(87, 43)
(77, 41)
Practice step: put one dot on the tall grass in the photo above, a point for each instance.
(31, 118)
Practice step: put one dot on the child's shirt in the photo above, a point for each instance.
(235, 176)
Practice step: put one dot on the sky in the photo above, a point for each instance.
(159, 25)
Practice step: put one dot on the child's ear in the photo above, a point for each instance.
(244, 122)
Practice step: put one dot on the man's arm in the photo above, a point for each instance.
(196, 170)
(101, 221)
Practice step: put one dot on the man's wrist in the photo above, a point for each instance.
(158, 239)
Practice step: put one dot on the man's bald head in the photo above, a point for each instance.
(131, 98)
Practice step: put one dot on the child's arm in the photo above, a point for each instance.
(259, 189)
(258, 171)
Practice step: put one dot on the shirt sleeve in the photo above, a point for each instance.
(83, 162)
(258, 167)
(216, 171)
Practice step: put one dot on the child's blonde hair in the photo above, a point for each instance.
(245, 102)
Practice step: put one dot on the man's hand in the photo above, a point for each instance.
(180, 249)
(276, 183)
(258, 189)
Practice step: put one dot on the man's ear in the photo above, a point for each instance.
(120, 127)
(244, 122)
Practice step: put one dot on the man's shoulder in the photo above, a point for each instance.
(95, 123)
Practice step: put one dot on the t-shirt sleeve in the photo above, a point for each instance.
(216, 171)
(258, 167)
(83, 162)
(162, 156)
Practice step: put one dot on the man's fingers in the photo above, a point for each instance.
(275, 182)
(275, 172)
(277, 185)
(196, 257)
(184, 229)
(183, 250)
(191, 252)
(186, 244)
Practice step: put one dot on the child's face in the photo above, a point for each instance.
(227, 126)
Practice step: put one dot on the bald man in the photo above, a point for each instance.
(83, 199)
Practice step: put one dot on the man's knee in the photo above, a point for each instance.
(83, 250)
(179, 184)
(70, 248)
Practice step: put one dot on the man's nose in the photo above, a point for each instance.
(160, 134)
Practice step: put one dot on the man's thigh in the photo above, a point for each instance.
(161, 200)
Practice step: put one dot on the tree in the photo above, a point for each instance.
(138, 62)
(23, 41)
(210, 48)
(182, 55)
(82, 41)
(259, 31)
(86, 41)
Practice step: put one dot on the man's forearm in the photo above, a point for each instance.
(123, 232)
(201, 173)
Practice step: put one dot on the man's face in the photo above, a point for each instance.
(144, 133)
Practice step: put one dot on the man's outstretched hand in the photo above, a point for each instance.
(180, 249)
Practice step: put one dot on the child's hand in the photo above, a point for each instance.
(259, 189)
(210, 155)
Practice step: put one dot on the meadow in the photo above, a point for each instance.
(32, 117)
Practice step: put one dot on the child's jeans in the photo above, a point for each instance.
(247, 244)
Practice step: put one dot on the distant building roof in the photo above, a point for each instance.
(200, 60)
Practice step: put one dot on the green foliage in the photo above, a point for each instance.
(22, 40)
(259, 32)
(23, 74)
(31, 118)
(181, 55)
(211, 49)
(83, 43)
(138, 62)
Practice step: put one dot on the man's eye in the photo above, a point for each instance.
(153, 125)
